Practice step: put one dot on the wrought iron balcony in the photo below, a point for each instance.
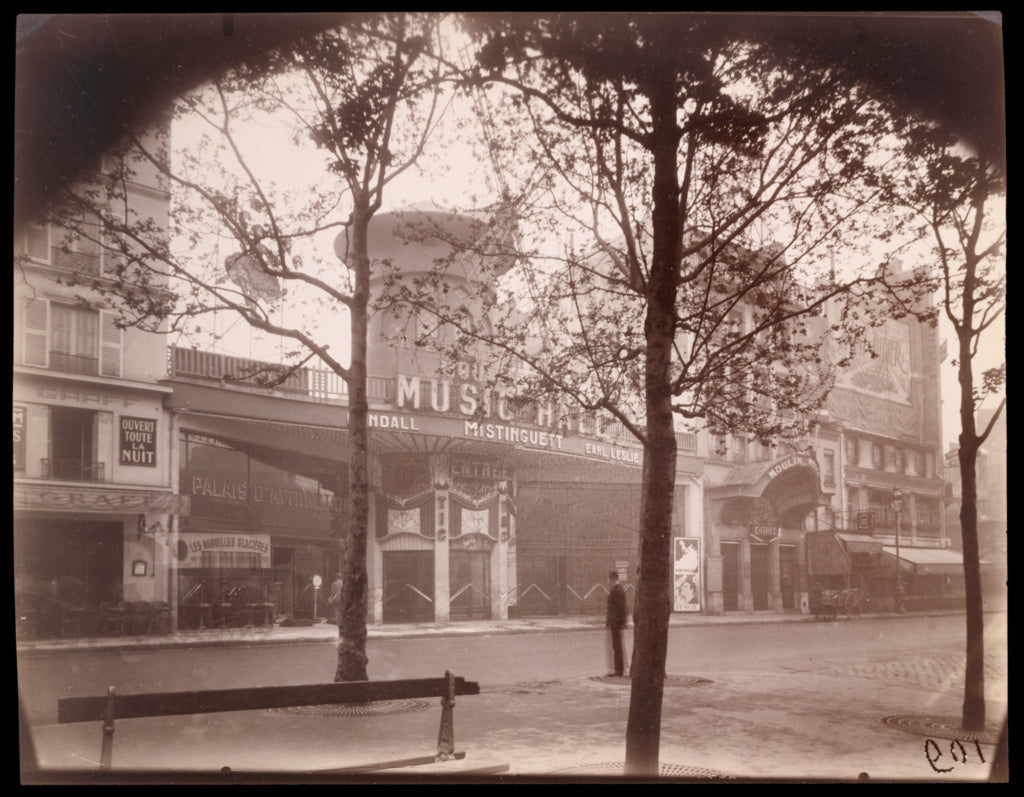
(73, 470)
(74, 363)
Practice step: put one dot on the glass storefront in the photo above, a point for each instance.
(262, 525)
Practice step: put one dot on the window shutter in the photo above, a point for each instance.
(111, 336)
(36, 324)
(112, 257)
(37, 242)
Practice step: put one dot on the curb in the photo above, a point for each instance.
(288, 635)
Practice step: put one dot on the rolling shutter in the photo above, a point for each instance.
(36, 324)
(111, 336)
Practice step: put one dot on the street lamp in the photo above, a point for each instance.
(896, 505)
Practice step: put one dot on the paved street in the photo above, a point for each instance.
(763, 700)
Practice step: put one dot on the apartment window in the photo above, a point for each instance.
(73, 446)
(927, 515)
(851, 451)
(830, 468)
(891, 458)
(85, 249)
(72, 339)
(876, 456)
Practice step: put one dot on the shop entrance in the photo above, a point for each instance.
(759, 580)
(788, 575)
(292, 590)
(469, 585)
(408, 586)
(72, 561)
(730, 577)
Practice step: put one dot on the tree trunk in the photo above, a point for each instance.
(974, 676)
(352, 659)
(643, 729)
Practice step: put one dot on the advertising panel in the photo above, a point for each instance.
(686, 574)
(222, 550)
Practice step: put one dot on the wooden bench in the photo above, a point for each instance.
(112, 706)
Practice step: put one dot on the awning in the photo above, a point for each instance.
(928, 561)
(860, 543)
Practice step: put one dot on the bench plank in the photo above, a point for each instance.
(154, 704)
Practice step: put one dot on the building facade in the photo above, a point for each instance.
(94, 494)
(481, 506)
(992, 505)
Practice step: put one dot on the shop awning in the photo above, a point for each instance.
(860, 543)
(928, 561)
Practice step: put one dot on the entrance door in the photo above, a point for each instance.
(759, 580)
(788, 575)
(408, 586)
(730, 577)
(470, 585)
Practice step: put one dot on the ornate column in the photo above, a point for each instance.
(375, 567)
(442, 525)
(775, 576)
(746, 596)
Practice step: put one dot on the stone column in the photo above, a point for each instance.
(442, 524)
(804, 588)
(375, 565)
(775, 576)
(746, 596)
(499, 562)
(712, 557)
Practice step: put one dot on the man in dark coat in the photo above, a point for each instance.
(615, 619)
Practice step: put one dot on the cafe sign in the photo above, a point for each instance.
(138, 441)
(19, 438)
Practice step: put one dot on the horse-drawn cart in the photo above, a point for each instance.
(828, 604)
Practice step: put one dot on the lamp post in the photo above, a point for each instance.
(896, 505)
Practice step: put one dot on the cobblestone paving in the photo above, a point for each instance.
(938, 670)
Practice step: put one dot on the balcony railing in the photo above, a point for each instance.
(73, 470)
(74, 363)
(78, 262)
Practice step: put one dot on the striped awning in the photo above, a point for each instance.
(928, 561)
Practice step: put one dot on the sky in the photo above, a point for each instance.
(467, 174)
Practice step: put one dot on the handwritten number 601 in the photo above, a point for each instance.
(957, 752)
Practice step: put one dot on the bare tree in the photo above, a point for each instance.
(957, 194)
(708, 184)
(364, 98)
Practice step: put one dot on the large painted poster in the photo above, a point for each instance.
(880, 366)
(686, 574)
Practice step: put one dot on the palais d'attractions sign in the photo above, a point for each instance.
(453, 409)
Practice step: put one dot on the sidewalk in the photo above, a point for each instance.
(826, 720)
(323, 631)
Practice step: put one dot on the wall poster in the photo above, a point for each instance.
(686, 574)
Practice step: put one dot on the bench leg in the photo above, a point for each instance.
(107, 747)
(446, 733)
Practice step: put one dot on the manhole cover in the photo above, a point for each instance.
(528, 687)
(941, 728)
(664, 771)
(357, 709)
(670, 680)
